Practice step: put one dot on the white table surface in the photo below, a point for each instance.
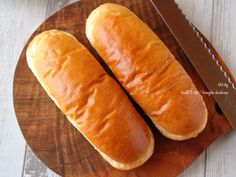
(216, 19)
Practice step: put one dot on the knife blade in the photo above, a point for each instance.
(201, 57)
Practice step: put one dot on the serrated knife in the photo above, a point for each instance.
(209, 69)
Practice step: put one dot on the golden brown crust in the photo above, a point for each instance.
(147, 70)
(92, 101)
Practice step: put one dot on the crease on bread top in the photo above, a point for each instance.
(91, 100)
(148, 71)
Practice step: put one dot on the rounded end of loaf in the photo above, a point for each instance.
(116, 130)
(184, 128)
(94, 16)
(121, 165)
(90, 25)
(186, 115)
(178, 137)
(129, 166)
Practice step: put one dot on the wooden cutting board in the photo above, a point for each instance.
(62, 148)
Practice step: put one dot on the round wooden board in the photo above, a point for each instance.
(62, 148)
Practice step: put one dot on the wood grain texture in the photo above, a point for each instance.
(193, 10)
(199, 12)
(57, 143)
(33, 167)
(17, 24)
(221, 156)
(55, 5)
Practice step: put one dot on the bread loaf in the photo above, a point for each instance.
(147, 70)
(91, 100)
